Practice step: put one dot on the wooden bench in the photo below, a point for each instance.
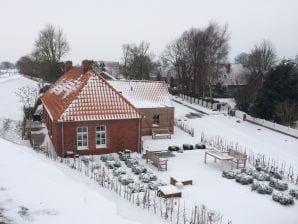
(161, 133)
(161, 164)
(173, 181)
(238, 158)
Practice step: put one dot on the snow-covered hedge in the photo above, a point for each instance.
(261, 187)
(283, 198)
(243, 178)
(294, 193)
(187, 147)
(278, 184)
(230, 174)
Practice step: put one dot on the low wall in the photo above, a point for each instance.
(202, 102)
(268, 124)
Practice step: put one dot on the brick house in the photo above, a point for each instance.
(84, 114)
(152, 98)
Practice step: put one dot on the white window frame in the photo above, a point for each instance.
(99, 132)
(153, 120)
(82, 147)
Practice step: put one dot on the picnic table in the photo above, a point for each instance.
(217, 155)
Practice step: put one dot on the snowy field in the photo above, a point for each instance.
(34, 189)
(9, 105)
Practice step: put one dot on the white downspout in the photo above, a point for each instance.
(63, 152)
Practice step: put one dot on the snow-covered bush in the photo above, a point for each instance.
(187, 147)
(125, 179)
(261, 187)
(173, 148)
(124, 156)
(277, 175)
(147, 177)
(107, 157)
(119, 171)
(110, 164)
(244, 178)
(294, 193)
(249, 171)
(283, 198)
(130, 162)
(229, 174)
(154, 185)
(278, 184)
(117, 163)
(262, 176)
(200, 146)
(137, 169)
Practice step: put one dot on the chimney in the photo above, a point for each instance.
(86, 66)
(67, 66)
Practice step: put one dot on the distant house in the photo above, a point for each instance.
(152, 99)
(112, 68)
(232, 76)
(84, 114)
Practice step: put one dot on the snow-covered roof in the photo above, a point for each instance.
(144, 93)
(83, 97)
(107, 75)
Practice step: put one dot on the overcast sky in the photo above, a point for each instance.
(96, 29)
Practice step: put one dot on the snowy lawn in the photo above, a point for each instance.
(34, 189)
(9, 105)
(234, 201)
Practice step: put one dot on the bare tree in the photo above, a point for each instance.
(262, 57)
(242, 58)
(137, 60)
(27, 96)
(197, 55)
(50, 45)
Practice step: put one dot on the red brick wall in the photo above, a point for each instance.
(121, 134)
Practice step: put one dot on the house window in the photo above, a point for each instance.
(101, 137)
(155, 120)
(82, 138)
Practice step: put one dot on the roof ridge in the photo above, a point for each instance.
(140, 80)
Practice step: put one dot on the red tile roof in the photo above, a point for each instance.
(85, 97)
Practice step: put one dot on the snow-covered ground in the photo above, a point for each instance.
(34, 189)
(9, 105)
(250, 136)
(234, 201)
(54, 193)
